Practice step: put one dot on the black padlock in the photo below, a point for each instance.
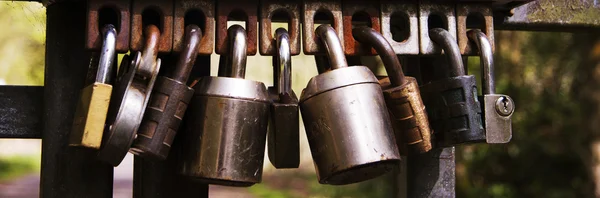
(452, 106)
(497, 108)
(168, 103)
(284, 132)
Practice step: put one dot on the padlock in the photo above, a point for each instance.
(347, 123)
(92, 108)
(452, 105)
(128, 102)
(402, 96)
(284, 132)
(224, 140)
(497, 108)
(168, 103)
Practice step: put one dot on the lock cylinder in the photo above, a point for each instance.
(225, 134)
(402, 97)
(347, 123)
(168, 103)
(452, 105)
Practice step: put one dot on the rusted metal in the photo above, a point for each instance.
(205, 8)
(332, 8)
(359, 9)
(234, 9)
(121, 18)
(400, 25)
(161, 10)
(268, 8)
(483, 14)
(445, 14)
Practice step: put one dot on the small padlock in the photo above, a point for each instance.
(168, 103)
(224, 140)
(347, 123)
(128, 103)
(497, 108)
(92, 108)
(402, 96)
(284, 131)
(452, 106)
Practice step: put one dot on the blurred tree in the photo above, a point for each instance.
(553, 78)
(22, 43)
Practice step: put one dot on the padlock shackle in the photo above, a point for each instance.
(283, 67)
(444, 39)
(106, 67)
(150, 51)
(333, 46)
(237, 57)
(187, 57)
(486, 59)
(390, 61)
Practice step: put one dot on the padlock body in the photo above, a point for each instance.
(224, 140)
(284, 133)
(498, 128)
(165, 110)
(408, 115)
(348, 127)
(90, 116)
(454, 111)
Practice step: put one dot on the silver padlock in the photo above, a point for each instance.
(224, 139)
(284, 132)
(497, 108)
(347, 123)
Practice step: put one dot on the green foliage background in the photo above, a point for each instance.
(553, 78)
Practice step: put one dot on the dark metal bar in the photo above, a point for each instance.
(159, 179)
(21, 111)
(432, 174)
(67, 171)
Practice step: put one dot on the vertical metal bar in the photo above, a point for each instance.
(67, 171)
(159, 179)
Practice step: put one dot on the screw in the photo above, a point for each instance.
(504, 106)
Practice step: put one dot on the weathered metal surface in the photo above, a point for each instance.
(236, 10)
(483, 12)
(119, 16)
(432, 174)
(367, 14)
(552, 15)
(21, 111)
(268, 9)
(157, 12)
(333, 10)
(446, 14)
(199, 12)
(67, 171)
(400, 25)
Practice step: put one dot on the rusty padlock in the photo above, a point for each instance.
(402, 96)
(347, 123)
(168, 103)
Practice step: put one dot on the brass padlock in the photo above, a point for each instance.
(497, 108)
(128, 103)
(168, 103)
(92, 108)
(224, 140)
(284, 131)
(402, 97)
(347, 123)
(452, 106)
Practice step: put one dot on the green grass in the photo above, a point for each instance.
(262, 190)
(14, 167)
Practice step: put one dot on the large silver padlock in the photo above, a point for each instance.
(224, 140)
(347, 123)
(284, 132)
(497, 108)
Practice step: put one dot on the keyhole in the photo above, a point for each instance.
(504, 106)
